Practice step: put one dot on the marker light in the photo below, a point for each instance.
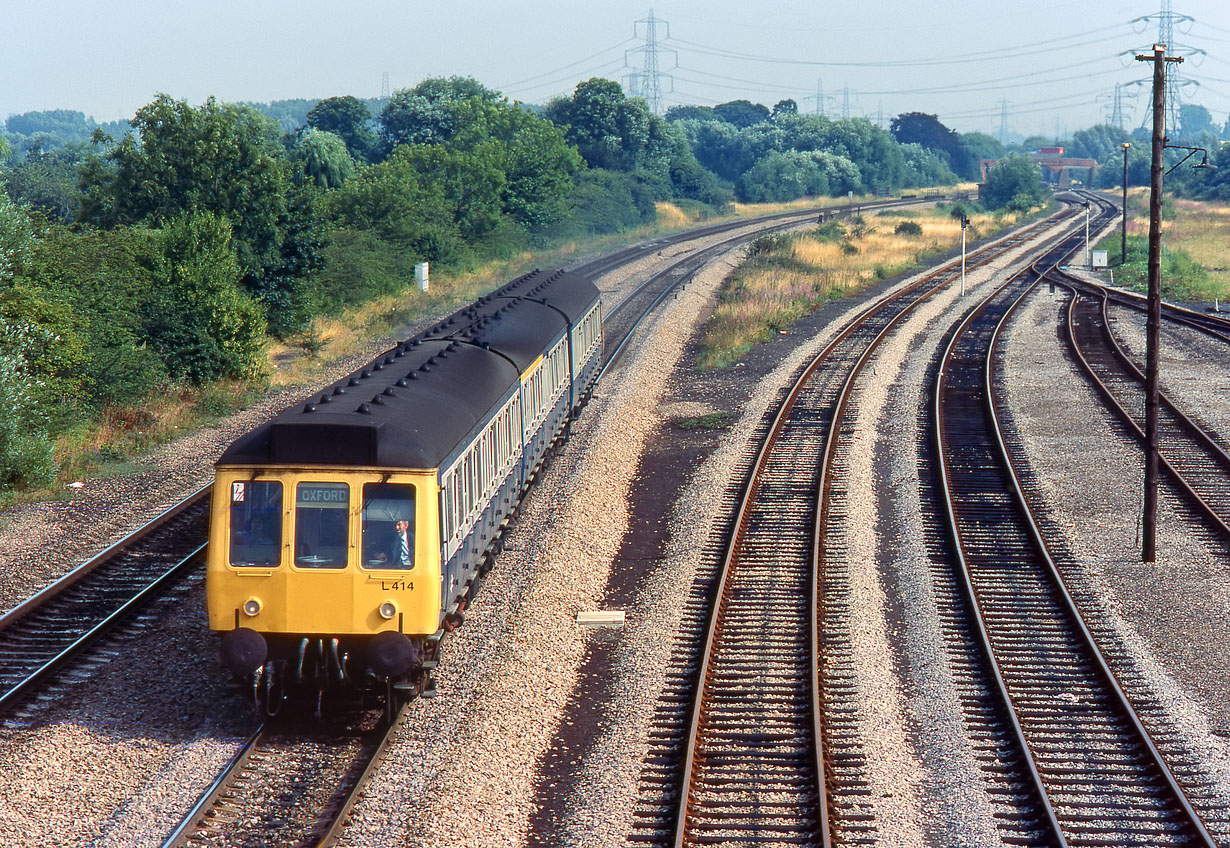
(251, 606)
(388, 609)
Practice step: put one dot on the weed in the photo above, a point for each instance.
(711, 421)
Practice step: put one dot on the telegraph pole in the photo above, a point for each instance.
(1154, 323)
(1123, 247)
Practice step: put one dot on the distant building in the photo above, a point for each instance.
(1058, 171)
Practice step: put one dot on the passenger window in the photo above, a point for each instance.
(322, 525)
(388, 525)
(256, 523)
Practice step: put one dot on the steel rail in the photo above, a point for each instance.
(1220, 522)
(749, 492)
(1105, 672)
(89, 566)
(95, 633)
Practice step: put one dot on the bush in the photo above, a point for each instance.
(25, 450)
(908, 228)
(203, 324)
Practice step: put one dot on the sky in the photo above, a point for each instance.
(1035, 68)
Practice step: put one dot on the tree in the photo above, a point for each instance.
(390, 201)
(927, 131)
(218, 158)
(925, 168)
(1195, 121)
(690, 113)
(25, 450)
(532, 153)
(1100, 142)
(784, 107)
(471, 183)
(198, 316)
(48, 182)
(779, 177)
(608, 129)
(346, 117)
(65, 126)
(741, 113)
(323, 158)
(425, 114)
(979, 146)
(1014, 182)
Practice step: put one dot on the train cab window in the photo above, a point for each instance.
(388, 525)
(256, 523)
(322, 525)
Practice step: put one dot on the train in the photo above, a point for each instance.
(346, 532)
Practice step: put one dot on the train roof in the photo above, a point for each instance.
(414, 405)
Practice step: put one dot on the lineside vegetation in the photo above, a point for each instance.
(1195, 263)
(789, 275)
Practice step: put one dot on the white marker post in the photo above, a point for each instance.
(964, 224)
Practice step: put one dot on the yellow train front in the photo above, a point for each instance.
(345, 532)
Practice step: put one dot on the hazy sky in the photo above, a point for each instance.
(1054, 63)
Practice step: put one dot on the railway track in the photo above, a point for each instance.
(741, 762)
(1097, 774)
(293, 782)
(42, 636)
(1190, 452)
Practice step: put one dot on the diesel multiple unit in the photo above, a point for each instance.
(345, 532)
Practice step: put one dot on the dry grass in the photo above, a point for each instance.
(772, 290)
(1196, 263)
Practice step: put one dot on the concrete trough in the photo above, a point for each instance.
(600, 618)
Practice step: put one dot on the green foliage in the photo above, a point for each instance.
(691, 113)
(391, 200)
(322, 158)
(64, 125)
(531, 153)
(1182, 277)
(346, 117)
(830, 231)
(908, 228)
(223, 159)
(924, 167)
(979, 146)
(784, 107)
(709, 421)
(609, 129)
(425, 114)
(604, 201)
(48, 182)
(742, 113)
(1101, 143)
(1014, 183)
(25, 449)
(16, 236)
(927, 132)
(288, 115)
(360, 264)
(780, 177)
(198, 317)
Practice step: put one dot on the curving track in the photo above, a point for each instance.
(1098, 774)
(749, 746)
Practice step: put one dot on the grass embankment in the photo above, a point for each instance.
(787, 276)
(1195, 260)
(108, 445)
